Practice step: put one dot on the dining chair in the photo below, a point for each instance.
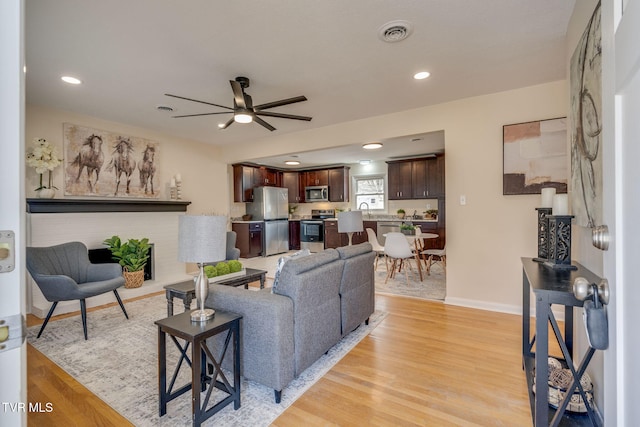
(397, 249)
(377, 247)
(440, 254)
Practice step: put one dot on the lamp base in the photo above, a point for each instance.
(202, 315)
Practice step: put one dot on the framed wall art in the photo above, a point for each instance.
(535, 155)
(108, 164)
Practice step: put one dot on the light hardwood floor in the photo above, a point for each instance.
(426, 364)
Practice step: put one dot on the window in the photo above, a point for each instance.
(370, 190)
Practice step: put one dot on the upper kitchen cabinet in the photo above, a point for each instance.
(265, 177)
(316, 177)
(294, 182)
(427, 177)
(399, 180)
(243, 183)
(339, 184)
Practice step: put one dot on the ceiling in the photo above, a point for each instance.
(130, 53)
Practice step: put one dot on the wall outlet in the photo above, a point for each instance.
(463, 200)
(428, 206)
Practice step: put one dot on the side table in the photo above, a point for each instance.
(195, 335)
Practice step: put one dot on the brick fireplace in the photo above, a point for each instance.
(91, 222)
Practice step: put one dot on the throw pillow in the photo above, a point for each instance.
(283, 260)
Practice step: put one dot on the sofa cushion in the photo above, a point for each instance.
(283, 260)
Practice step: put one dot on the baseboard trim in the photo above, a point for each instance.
(500, 308)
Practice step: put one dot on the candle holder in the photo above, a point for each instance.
(559, 238)
(543, 234)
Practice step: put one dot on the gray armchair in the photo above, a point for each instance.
(64, 273)
(232, 251)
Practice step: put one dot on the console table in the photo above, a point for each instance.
(195, 335)
(551, 286)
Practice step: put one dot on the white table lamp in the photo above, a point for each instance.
(202, 239)
(350, 222)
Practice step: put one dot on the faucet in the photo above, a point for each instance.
(415, 216)
(368, 209)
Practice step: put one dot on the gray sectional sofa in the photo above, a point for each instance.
(317, 300)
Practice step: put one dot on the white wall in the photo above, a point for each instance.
(486, 237)
(204, 177)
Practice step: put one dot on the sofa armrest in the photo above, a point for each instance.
(106, 271)
(266, 333)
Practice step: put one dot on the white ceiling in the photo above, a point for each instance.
(130, 53)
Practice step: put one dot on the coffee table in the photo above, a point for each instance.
(186, 290)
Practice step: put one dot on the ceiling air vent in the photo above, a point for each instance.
(395, 31)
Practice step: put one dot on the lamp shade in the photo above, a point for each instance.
(202, 238)
(350, 222)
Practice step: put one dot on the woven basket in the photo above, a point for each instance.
(132, 279)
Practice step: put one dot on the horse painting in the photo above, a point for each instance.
(122, 161)
(91, 158)
(147, 168)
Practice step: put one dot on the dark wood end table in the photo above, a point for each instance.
(195, 335)
(187, 293)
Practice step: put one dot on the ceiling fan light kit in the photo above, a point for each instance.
(243, 109)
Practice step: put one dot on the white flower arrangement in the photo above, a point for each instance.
(43, 157)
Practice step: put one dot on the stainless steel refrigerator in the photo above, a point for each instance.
(271, 205)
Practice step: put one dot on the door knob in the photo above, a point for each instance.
(582, 289)
(600, 237)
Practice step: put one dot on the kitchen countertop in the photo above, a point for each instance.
(364, 218)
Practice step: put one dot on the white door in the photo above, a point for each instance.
(13, 390)
(622, 401)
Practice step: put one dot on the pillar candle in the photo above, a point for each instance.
(173, 182)
(560, 204)
(547, 197)
(178, 178)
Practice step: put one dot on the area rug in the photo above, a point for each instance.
(119, 364)
(431, 287)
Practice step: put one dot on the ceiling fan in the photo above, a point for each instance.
(243, 109)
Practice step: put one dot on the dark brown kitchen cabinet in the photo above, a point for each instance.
(427, 177)
(316, 177)
(339, 184)
(399, 180)
(243, 183)
(333, 239)
(265, 177)
(249, 238)
(294, 235)
(293, 181)
(362, 236)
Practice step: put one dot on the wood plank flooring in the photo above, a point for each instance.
(427, 364)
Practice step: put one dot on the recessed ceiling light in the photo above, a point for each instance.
(421, 75)
(220, 125)
(372, 146)
(71, 80)
(292, 162)
(365, 162)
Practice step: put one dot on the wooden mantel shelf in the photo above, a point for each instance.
(102, 205)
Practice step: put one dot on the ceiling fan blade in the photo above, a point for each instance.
(263, 123)
(280, 103)
(195, 100)
(229, 123)
(238, 94)
(283, 116)
(202, 114)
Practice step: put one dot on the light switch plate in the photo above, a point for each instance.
(463, 200)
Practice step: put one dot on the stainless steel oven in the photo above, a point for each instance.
(312, 230)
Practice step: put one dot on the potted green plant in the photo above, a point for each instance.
(401, 213)
(132, 255)
(408, 229)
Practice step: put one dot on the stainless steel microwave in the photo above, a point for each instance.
(318, 193)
